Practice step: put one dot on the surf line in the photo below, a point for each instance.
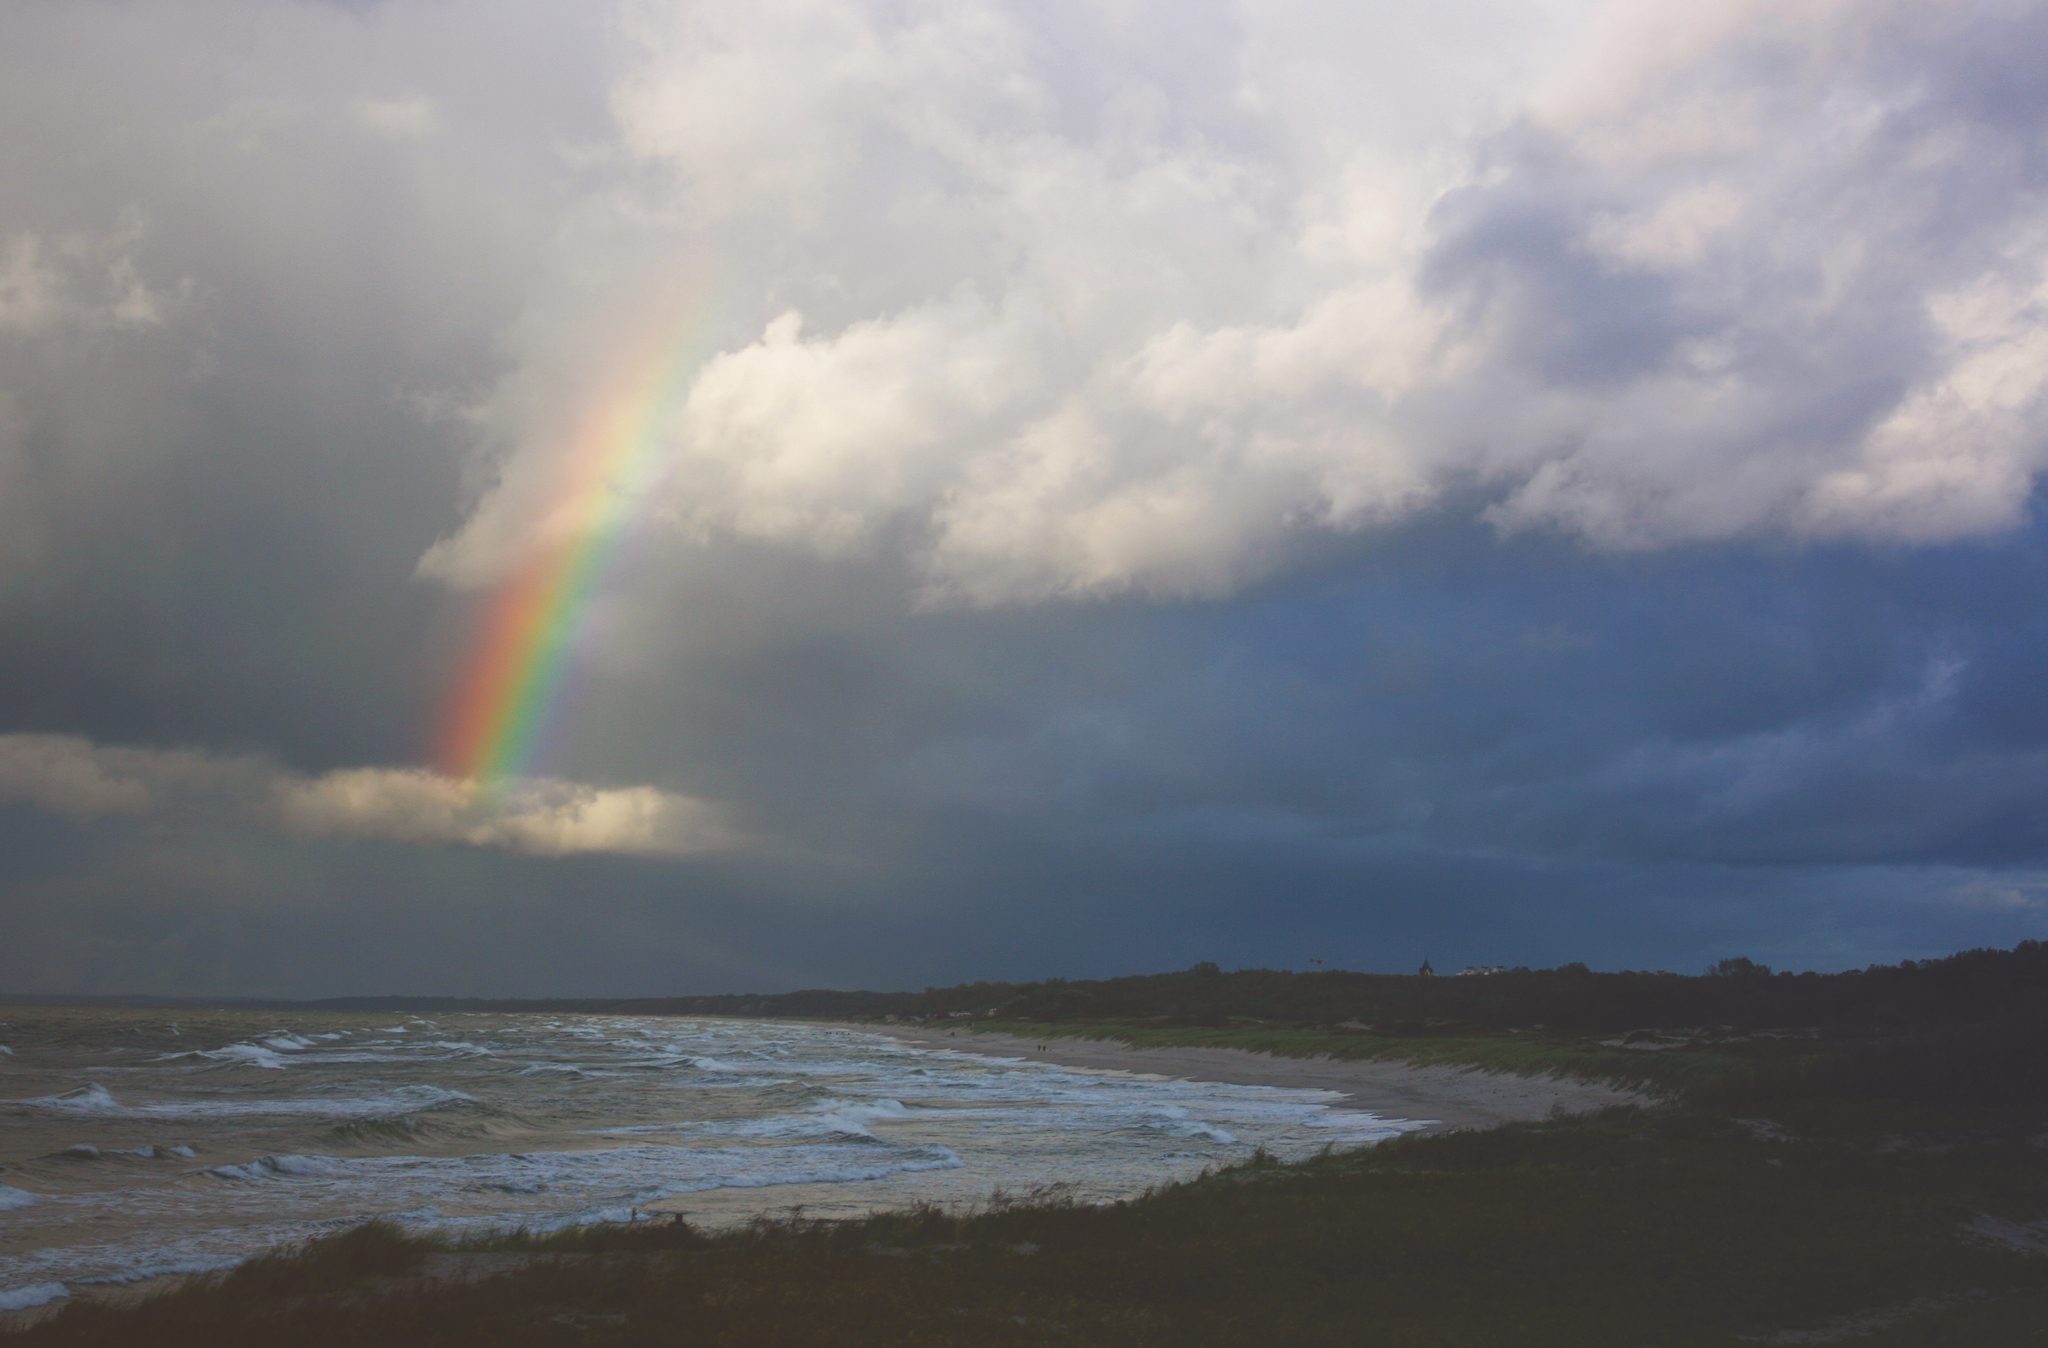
(508, 696)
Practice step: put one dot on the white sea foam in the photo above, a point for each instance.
(667, 1064)
(157, 1152)
(709, 1064)
(406, 1099)
(908, 1160)
(12, 1198)
(175, 1269)
(403, 1100)
(832, 1116)
(232, 1055)
(280, 1167)
(91, 1098)
(1193, 1128)
(717, 1082)
(35, 1294)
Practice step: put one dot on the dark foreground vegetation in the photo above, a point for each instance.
(1866, 1163)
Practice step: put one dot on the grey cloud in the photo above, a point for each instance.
(73, 777)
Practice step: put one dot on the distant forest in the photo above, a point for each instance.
(1739, 995)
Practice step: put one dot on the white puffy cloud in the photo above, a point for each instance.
(539, 816)
(1069, 301)
(1054, 299)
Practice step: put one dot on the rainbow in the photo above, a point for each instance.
(506, 696)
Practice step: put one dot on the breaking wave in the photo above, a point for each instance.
(91, 1098)
(35, 1294)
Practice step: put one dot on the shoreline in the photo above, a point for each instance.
(1434, 1098)
(1440, 1098)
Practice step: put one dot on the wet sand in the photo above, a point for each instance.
(1444, 1098)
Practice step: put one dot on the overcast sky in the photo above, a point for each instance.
(1111, 485)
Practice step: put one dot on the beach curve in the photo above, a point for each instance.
(1441, 1097)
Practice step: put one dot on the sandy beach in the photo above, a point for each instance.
(1443, 1098)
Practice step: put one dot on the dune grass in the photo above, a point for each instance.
(1666, 1227)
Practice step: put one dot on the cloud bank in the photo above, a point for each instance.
(1053, 319)
(540, 817)
(1045, 300)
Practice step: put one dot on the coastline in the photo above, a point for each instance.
(1434, 1098)
(1440, 1098)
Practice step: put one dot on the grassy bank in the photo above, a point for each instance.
(1666, 1227)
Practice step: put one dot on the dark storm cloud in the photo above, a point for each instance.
(1820, 706)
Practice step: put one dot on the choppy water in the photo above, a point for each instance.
(139, 1143)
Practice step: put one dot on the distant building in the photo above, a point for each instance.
(1426, 971)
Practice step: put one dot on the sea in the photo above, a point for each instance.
(140, 1144)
